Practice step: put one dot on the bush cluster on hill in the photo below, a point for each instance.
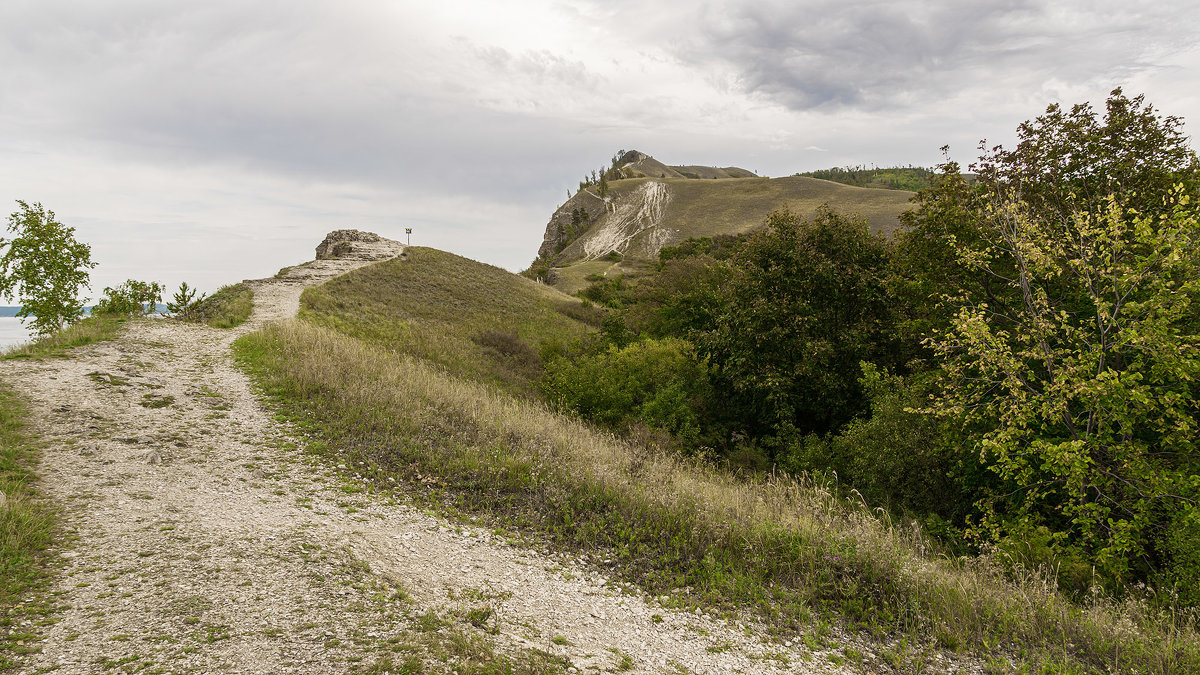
(1016, 368)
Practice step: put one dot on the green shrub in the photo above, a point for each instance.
(896, 457)
(131, 298)
(661, 383)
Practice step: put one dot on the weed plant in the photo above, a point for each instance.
(794, 550)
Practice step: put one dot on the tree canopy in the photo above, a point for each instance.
(44, 267)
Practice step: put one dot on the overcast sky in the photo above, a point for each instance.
(219, 140)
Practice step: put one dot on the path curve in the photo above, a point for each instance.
(202, 540)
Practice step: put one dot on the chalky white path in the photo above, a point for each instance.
(202, 540)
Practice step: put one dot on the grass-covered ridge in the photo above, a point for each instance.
(910, 178)
(229, 307)
(708, 208)
(473, 319)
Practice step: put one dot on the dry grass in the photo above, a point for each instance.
(439, 306)
(793, 550)
(706, 208)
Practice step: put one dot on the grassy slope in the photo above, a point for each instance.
(703, 208)
(229, 307)
(795, 553)
(471, 318)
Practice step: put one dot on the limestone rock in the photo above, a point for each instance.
(357, 245)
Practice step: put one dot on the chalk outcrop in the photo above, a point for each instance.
(357, 245)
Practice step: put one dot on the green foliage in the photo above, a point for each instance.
(684, 298)
(229, 307)
(539, 269)
(895, 456)
(720, 247)
(606, 291)
(911, 178)
(44, 267)
(183, 304)
(805, 304)
(131, 298)
(1067, 330)
(1085, 379)
(661, 383)
(1071, 161)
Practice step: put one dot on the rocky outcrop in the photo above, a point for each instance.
(568, 222)
(567, 226)
(357, 245)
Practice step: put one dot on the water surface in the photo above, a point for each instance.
(12, 332)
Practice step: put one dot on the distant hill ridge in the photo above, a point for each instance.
(640, 165)
(619, 222)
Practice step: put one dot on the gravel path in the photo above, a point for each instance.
(201, 539)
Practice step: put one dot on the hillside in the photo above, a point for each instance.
(623, 231)
(375, 487)
(474, 319)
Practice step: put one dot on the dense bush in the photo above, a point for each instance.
(1068, 280)
(131, 298)
(661, 383)
(806, 303)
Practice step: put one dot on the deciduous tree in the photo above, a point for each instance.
(44, 268)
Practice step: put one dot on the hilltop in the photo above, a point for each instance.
(648, 205)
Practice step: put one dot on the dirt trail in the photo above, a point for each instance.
(202, 540)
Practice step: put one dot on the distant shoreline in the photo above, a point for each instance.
(12, 311)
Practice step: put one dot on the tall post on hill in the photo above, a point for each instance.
(408, 231)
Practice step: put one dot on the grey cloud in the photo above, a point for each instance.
(304, 88)
(830, 55)
(540, 66)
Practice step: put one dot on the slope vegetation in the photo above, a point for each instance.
(623, 231)
(473, 319)
(391, 389)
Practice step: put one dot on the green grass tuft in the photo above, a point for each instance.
(83, 332)
(229, 307)
(26, 530)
